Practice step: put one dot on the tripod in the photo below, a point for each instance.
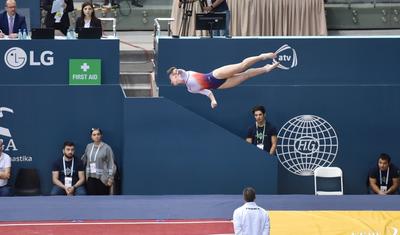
(187, 6)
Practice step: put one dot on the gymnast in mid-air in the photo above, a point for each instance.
(225, 77)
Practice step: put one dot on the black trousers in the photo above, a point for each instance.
(96, 187)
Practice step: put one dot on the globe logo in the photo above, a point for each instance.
(306, 142)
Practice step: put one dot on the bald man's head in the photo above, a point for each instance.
(11, 7)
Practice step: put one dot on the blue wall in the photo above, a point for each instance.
(46, 111)
(62, 51)
(170, 150)
(45, 116)
(177, 144)
(350, 82)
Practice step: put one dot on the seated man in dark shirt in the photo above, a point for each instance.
(384, 178)
(68, 173)
(262, 133)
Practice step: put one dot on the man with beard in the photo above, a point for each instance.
(68, 173)
(384, 178)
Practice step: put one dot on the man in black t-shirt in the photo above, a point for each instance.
(384, 178)
(68, 173)
(262, 133)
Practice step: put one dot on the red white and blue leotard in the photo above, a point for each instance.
(200, 82)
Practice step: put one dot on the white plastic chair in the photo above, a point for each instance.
(328, 172)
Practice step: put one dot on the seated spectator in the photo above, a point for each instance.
(262, 133)
(5, 172)
(250, 218)
(384, 178)
(68, 173)
(87, 19)
(10, 21)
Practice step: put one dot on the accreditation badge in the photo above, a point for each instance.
(260, 146)
(384, 188)
(93, 167)
(68, 182)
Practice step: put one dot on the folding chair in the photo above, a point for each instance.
(328, 181)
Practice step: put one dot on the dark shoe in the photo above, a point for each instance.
(136, 3)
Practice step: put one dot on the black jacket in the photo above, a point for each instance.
(50, 21)
(80, 23)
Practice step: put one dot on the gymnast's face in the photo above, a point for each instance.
(175, 78)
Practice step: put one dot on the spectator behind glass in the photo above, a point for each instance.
(11, 19)
(384, 178)
(68, 173)
(100, 167)
(5, 171)
(62, 26)
(88, 18)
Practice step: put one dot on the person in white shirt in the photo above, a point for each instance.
(250, 219)
(5, 172)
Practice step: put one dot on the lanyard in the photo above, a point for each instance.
(95, 155)
(72, 167)
(263, 134)
(387, 177)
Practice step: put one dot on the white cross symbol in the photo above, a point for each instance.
(85, 67)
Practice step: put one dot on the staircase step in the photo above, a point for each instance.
(136, 86)
(135, 67)
(134, 78)
(136, 56)
(138, 92)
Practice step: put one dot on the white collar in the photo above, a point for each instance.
(250, 204)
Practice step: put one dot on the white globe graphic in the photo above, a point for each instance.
(306, 142)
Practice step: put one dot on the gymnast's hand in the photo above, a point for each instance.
(214, 104)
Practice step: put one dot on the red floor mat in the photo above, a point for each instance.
(154, 227)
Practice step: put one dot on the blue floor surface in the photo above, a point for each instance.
(175, 206)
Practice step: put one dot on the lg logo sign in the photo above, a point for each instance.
(16, 58)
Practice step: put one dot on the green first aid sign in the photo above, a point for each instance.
(84, 72)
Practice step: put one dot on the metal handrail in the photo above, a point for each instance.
(114, 24)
